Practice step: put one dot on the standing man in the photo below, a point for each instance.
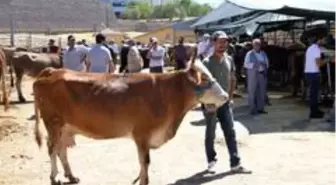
(222, 68)
(256, 64)
(181, 55)
(74, 55)
(84, 43)
(100, 59)
(114, 47)
(204, 48)
(156, 57)
(52, 48)
(134, 59)
(313, 62)
(123, 56)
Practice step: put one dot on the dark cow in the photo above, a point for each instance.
(31, 64)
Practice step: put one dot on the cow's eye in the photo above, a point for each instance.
(204, 78)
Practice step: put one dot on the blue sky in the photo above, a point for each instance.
(213, 3)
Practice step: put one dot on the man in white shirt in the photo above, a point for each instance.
(134, 59)
(74, 55)
(99, 57)
(256, 63)
(205, 48)
(156, 56)
(114, 47)
(313, 62)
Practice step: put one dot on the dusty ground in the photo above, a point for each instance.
(283, 149)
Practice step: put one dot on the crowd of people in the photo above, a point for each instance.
(102, 56)
(215, 53)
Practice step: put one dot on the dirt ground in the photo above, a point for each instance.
(283, 149)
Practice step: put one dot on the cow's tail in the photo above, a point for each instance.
(37, 132)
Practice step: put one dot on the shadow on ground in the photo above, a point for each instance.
(284, 115)
(202, 178)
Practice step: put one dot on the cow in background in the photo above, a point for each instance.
(31, 64)
(3, 72)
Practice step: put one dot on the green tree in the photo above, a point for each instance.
(138, 10)
(179, 9)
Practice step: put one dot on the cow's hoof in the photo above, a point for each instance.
(73, 180)
(22, 100)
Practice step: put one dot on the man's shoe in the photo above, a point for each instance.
(320, 112)
(317, 115)
(262, 112)
(240, 169)
(211, 165)
(253, 113)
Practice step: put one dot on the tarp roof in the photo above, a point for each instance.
(225, 10)
(315, 9)
(184, 25)
(250, 24)
(311, 9)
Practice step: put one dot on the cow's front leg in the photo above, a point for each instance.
(144, 159)
(67, 140)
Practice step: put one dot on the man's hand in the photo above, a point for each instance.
(231, 102)
(333, 59)
(210, 108)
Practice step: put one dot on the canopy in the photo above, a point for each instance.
(311, 9)
(225, 10)
(250, 25)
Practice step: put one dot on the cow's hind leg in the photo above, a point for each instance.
(144, 159)
(67, 140)
(54, 134)
(19, 75)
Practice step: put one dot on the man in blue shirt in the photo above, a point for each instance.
(256, 64)
(221, 66)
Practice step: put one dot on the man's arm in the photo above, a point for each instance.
(149, 54)
(318, 58)
(247, 61)
(88, 63)
(267, 61)
(110, 63)
(233, 79)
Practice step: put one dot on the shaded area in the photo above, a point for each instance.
(285, 115)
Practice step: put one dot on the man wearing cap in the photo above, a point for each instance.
(222, 68)
(256, 63)
(156, 57)
(74, 55)
(99, 57)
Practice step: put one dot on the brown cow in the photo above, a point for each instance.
(3, 71)
(31, 64)
(106, 106)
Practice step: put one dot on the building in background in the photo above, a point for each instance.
(119, 6)
(170, 34)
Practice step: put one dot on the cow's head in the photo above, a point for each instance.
(206, 88)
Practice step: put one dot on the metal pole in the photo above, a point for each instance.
(12, 28)
(107, 17)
